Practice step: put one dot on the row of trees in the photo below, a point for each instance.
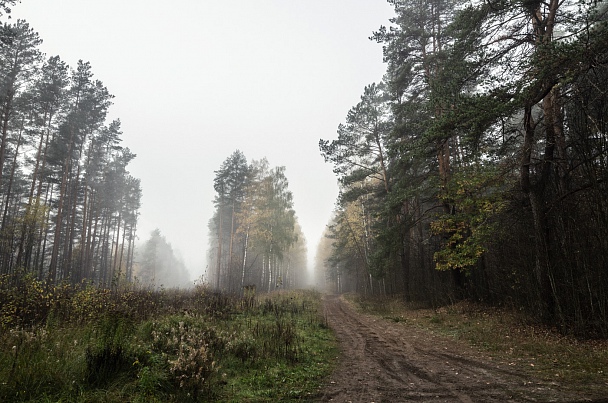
(256, 239)
(479, 166)
(69, 206)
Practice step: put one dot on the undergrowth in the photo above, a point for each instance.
(84, 344)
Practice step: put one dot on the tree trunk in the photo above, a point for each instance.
(230, 280)
(9, 189)
(6, 112)
(25, 231)
(59, 218)
(219, 247)
(244, 256)
(129, 264)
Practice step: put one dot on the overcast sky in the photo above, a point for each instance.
(195, 80)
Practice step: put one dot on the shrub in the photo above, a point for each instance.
(24, 301)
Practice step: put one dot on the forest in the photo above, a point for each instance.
(477, 168)
(87, 312)
(256, 241)
(69, 204)
(473, 183)
(70, 207)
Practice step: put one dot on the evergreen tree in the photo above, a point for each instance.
(69, 206)
(159, 266)
(497, 139)
(254, 215)
(229, 183)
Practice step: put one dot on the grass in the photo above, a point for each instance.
(168, 346)
(287, 327)
(509, 338)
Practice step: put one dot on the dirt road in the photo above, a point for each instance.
(383, 361)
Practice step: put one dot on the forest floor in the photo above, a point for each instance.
(384, 360)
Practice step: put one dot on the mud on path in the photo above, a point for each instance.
(383, 361)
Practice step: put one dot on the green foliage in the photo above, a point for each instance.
(285, 343)
(41, 362)
(191, 346)
(495, 159)
(91, 303)
(27, 302)
(23, 301)
(105, 365)
(476, 198)
(255, 231)
(54, 133)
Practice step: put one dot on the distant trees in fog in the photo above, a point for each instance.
(157, 265)
(255, 238)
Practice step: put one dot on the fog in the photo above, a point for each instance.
(195, 80)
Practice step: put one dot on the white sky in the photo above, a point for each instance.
(195, 80)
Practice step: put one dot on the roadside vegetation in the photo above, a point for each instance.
(85, 344)
(507, 337)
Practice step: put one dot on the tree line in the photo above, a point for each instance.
(478, 167)
(157, 265)
(68, 204)
(255, 238)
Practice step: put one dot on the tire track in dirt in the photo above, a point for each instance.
(383, 361)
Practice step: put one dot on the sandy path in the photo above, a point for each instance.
(383, 361)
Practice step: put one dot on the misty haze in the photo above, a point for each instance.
(303, 200)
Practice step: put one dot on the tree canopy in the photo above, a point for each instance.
(69, 204)
(256, 239)
(483, 177)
